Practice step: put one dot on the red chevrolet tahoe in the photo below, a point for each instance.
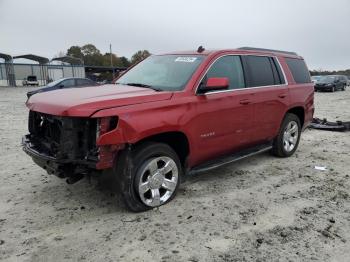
(170, 116)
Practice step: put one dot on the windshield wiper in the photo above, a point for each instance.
(142, 85)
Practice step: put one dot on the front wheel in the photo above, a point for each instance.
(154, 177)
(287, 140)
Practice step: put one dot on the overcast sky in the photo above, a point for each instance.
(319, 30)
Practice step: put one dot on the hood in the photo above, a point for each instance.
(86, 101)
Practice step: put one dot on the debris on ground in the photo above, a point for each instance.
(323, 124)
(321, 168)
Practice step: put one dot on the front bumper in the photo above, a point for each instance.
(61, 167)
(323, 88)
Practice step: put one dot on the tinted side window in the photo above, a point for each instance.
(299, 70)
(84, 82)
(230, 67)
(67, 83)
(260, 71)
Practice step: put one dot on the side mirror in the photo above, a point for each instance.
(61, 86)
(215, 84)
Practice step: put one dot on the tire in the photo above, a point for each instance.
(344, 86)
(280, 145)
(144, 188)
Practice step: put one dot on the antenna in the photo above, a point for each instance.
(200, 49)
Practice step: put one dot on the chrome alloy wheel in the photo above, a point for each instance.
(158, 180)
(290, 136)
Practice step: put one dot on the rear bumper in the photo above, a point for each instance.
(57, 166)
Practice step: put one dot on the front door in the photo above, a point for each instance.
(224, 118)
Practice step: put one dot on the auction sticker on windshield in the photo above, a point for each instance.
(185, 59)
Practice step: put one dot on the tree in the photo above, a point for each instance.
(75, 51)
(90, 50)
(124, 61)
(139, 55)
(107, 60)
(92, 56)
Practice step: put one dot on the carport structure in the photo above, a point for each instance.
(8, 72)
(69, 59)
(42, 68)
(76, 64)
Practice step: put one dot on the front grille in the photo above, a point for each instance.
(63, 137)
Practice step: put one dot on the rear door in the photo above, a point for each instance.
(224, 118)
(271, 95)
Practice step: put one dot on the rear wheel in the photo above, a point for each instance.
(155, 177)
(287, 140)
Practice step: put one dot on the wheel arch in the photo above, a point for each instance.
(299, 111)
(177, 140)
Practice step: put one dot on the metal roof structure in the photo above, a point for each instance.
(7, 57)
(69, 59)
(39, 59)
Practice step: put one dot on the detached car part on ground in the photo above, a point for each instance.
(171, 116)
(323, 124)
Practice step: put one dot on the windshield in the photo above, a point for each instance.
(54, 82)
(327, 79)
(164, 72)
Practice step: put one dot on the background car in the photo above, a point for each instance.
(64, 83)
(315, 79)
(348, 78)
(30, 81)
(331, 83)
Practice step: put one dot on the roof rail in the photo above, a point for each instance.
(268, 50)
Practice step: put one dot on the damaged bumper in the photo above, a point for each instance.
(60, 167)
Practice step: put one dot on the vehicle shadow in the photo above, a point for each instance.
(101, 194)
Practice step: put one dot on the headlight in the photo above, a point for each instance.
(106, 124)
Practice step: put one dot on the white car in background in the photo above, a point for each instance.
(30, 81)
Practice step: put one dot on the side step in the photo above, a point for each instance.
(212, 164)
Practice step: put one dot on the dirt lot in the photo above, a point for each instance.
(259, 209)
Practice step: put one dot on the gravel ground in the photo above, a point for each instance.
(259, 209)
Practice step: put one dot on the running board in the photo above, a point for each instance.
(212, 164)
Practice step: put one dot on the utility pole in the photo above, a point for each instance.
(110, 53)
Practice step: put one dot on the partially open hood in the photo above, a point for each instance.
(86, 101)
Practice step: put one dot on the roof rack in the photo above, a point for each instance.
(268, 50)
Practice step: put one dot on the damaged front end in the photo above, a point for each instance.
(66, 146)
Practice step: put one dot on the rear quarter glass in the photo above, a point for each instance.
(299, 70)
